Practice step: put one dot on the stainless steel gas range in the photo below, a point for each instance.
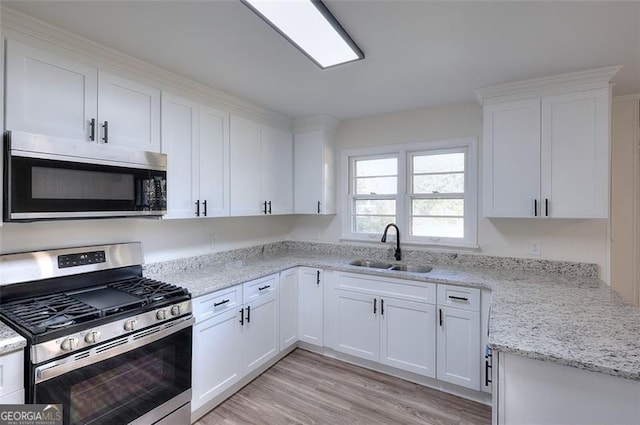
(108, 344)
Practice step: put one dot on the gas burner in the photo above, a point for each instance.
(41, 314)
(149, 289)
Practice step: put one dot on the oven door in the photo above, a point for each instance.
(145, 376)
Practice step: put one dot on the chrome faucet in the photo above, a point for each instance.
(397, 252)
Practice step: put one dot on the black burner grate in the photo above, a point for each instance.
(149, 289)
(49, 312)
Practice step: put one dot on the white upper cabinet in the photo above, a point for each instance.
(213, 162)
(277, 174)
(49, 94)
(129, 113)
(546, 146)
(512, 158)
(314, 180)
(179, 142)
(575, 154)
(245, 167)
(196, 140)
(261, 169)
(54, 96)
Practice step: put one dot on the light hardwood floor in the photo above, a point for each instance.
(306, 388)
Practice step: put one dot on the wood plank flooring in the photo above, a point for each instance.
(306, 388)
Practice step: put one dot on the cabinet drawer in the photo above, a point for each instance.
(459, 297)
(413, 291)
(11, 376)
(260, 288)
(213, 304)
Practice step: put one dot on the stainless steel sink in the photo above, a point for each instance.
(392, 267)
(370, 264)
(411, 269)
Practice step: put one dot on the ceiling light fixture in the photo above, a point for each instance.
(311, 27)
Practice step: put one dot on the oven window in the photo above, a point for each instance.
(123, 388)
(121, 385)
(61, 183)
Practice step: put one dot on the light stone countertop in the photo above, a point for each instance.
(570, 320)
(10, 340)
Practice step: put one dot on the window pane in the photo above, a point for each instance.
(438, 227)
(372, 224)
(438, 207)
(376, 167)
(438, 163)
(376, 186)
(375, 206)
(439, 183)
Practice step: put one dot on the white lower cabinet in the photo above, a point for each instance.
(311, 305)
(216, 363)
(458, 336)
(387, 321)
(12, 378)
(288, 308)
(407, 336)
(358, 331)
(236, 332)
(544, 393)
(261, 333)
(420, 327)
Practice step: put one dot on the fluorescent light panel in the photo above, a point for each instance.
(309, 26)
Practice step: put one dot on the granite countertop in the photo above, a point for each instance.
(567, 319)
(10, 340)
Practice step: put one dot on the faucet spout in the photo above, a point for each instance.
(397, 253)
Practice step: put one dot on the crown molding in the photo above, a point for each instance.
(315, 123)
(635, 96)
(583, 80)
(17, 24)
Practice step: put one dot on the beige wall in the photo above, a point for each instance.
(624, 197)
(574, 240)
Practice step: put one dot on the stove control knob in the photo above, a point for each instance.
(161, 314)
(130, 325)
(92, 337)
(176, 310)
(69, 344)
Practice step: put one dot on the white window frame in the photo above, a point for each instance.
(403, 198)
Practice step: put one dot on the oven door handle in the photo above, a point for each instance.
(110, 349)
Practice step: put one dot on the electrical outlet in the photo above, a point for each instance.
(535, 247)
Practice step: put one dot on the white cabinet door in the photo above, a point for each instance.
(512, 159)
(11, 372)
(213, 158)
(13, 398)
(216, 360)
(277, 170)
(311, 308)
(575, 154)
(358, 329)
(544, 393)
(288, 308)
(261, 338)
(314, 185)
(48, 94)
(245, 162)
(128, 113)
(179, 142)
(408, 336)
(458, 338)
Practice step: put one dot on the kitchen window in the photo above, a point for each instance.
(429, 190)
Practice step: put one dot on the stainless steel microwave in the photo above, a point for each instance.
(48, 178)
